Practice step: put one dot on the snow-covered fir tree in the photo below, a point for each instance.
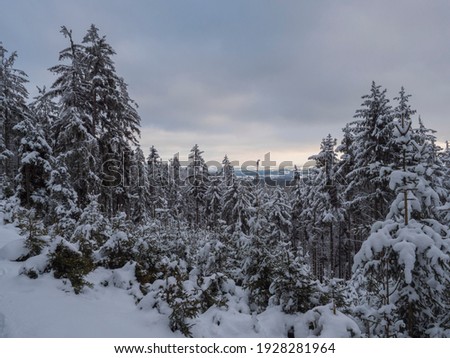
(97, 122)
(74, 140)
(403, 267)
(228, 174)
(327, 214)
(213, 198)
(155, 180)
(113, 116)
(35, 165)
(13, 109)
(174, 188)
(45, 111)
(279, 215)
(140, 190)
(196, 185)
(238, 206)
(62, 210)
(372, 148)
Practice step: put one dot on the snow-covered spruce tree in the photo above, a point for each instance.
(258, 250)
(238, 206)
(45, 111)
(213, 198)
(13, 109)
(327, 205)
(155, 179)
(349, 244)
(97, 122)
(62, 209)
(372, 148)
(278, 215)
(313, 239)
(238, 215)
(403, 110)
(428, 154)
(68, 262)
(74, 140)
(275, 272)
(424, 140)
(422, 151)
(174, 189)
(139, 192)
(113, 118)
(403, 267)
(444, 157)
(35, 165)
(92, 228)
(73, 259)
(34, 231)
(175, 170)
(148, 250)
(211, 271)
(118, 250)
(297, 204)
(173, 293)
(228, 175)
(258, 271)
(62, 206)
(227, 179)
(292, 285)
(165, 212)
(23, 150)
(196, 185)
(346, 162)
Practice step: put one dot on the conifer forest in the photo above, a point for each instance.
(361, 238)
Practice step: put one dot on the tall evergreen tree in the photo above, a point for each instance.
(350, 233)
(197, 183)
(13, 109)
(74, 140)
(238, 206)
(97, 122)
(155, 179)
(213, 198)
(45, 110)
(427, 152)
(444, 157)
(372, 146)
(63, 210)
(114, 120)
(279, 215)
(35, 165)
(140, 197)
(228, 175)
(292, 283)
(404, 264)
(328, 214)
(174, 188)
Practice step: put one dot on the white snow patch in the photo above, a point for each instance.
(13, 250)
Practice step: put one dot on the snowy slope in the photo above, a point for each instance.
(46, 307)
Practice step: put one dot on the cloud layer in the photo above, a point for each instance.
(249, 77)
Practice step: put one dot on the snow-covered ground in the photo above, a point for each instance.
(46, 307)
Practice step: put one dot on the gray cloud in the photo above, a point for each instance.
(246, 77)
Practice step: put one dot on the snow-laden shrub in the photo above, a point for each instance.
(327, 322)
(68, 262)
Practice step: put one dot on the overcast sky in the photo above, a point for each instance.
(249, 77)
